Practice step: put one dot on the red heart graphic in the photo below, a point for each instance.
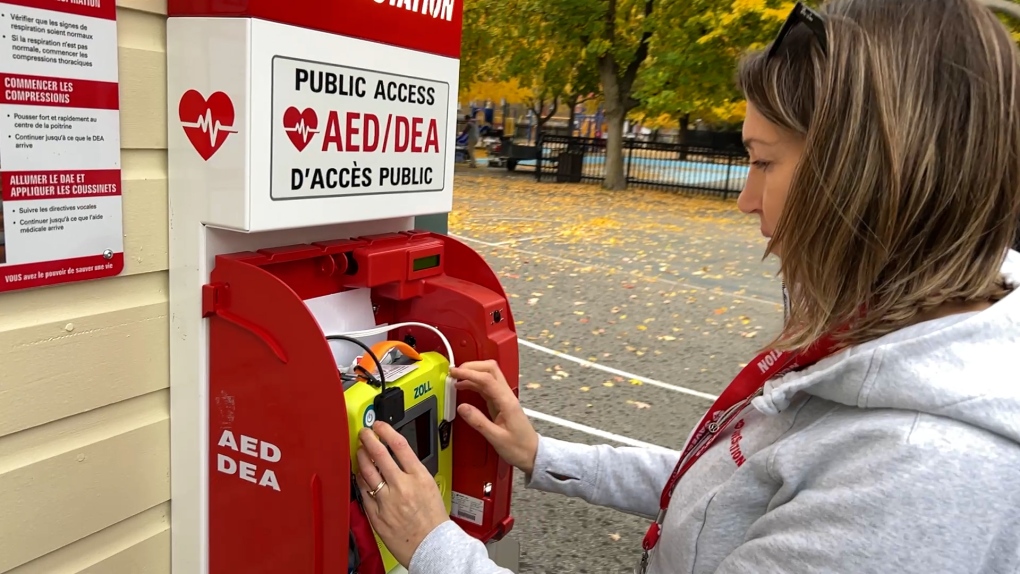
(300, 126)
(207, 122)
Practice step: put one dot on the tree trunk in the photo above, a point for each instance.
(536, 108)
(616, 174)
(616, 112)
(542, 120)
(574, 100)
(617, 86)
(685, 126)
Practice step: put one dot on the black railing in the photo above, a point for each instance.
(725, 141)
(655, 165)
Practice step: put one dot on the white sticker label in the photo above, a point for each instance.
(338, 130)
(467, 508)
(395, 372)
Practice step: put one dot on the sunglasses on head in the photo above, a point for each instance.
(801, 14)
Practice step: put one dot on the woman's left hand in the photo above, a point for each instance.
(406, 505)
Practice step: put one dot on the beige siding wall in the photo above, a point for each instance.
(84, 398)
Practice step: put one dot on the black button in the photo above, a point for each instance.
(444, 435)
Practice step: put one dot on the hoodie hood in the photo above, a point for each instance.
(962, 367)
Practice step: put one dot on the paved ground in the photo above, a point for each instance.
(654, 284)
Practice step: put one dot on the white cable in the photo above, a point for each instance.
(387, 328)
(451, 389)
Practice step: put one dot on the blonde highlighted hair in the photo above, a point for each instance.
(908, 193)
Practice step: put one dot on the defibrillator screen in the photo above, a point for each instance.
(425, 263)
(418, 434)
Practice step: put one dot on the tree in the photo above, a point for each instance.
(695, 54)
(536, 47)
(670, 58)
(620, 39)
(695, 57)
(476, 43)
(554, 48)
(674, 57)
(482, 90)
(584, 86)
(519, 43)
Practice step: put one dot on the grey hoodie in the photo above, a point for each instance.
(900, 455)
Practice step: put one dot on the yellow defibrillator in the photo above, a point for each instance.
(412, 399)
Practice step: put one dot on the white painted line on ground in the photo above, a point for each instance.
(682, 284)
(509, 241)
(504, 218)
(470, 240)
(618, 372)
(591, 430)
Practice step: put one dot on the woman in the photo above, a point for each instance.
(884, 137)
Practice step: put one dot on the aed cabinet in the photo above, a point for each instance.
(262, 427)
(279, 437)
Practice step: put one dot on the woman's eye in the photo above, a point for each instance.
(762, 165)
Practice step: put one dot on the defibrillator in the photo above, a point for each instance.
(411, 396)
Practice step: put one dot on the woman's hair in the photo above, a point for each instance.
(908, 193)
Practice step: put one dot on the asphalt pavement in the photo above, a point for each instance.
(634, 309)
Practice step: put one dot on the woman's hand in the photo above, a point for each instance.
(509, 432)
(404, 506)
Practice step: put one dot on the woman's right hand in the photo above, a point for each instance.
(509, 432)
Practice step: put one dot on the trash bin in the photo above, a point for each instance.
(570, 164)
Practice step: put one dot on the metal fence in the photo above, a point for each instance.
(654, 165)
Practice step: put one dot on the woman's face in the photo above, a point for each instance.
(775, 153)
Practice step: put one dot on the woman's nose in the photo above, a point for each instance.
(749, 200)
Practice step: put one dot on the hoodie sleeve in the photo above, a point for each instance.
(899, 499)
(627, 479)
(450, 550)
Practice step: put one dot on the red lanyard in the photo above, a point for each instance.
(745, 387)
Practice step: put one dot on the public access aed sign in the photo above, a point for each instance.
(286, 127)
(341, 131)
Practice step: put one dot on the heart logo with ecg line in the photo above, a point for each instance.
(206, 121)
(300, 126)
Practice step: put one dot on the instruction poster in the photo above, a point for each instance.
(59, 143)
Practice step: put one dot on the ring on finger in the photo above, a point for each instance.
(372, 493)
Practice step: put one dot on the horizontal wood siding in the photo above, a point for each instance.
(84, 389)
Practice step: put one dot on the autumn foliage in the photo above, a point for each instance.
(657, 62)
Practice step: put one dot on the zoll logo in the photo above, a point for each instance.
(206, 122)
(300, 126)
